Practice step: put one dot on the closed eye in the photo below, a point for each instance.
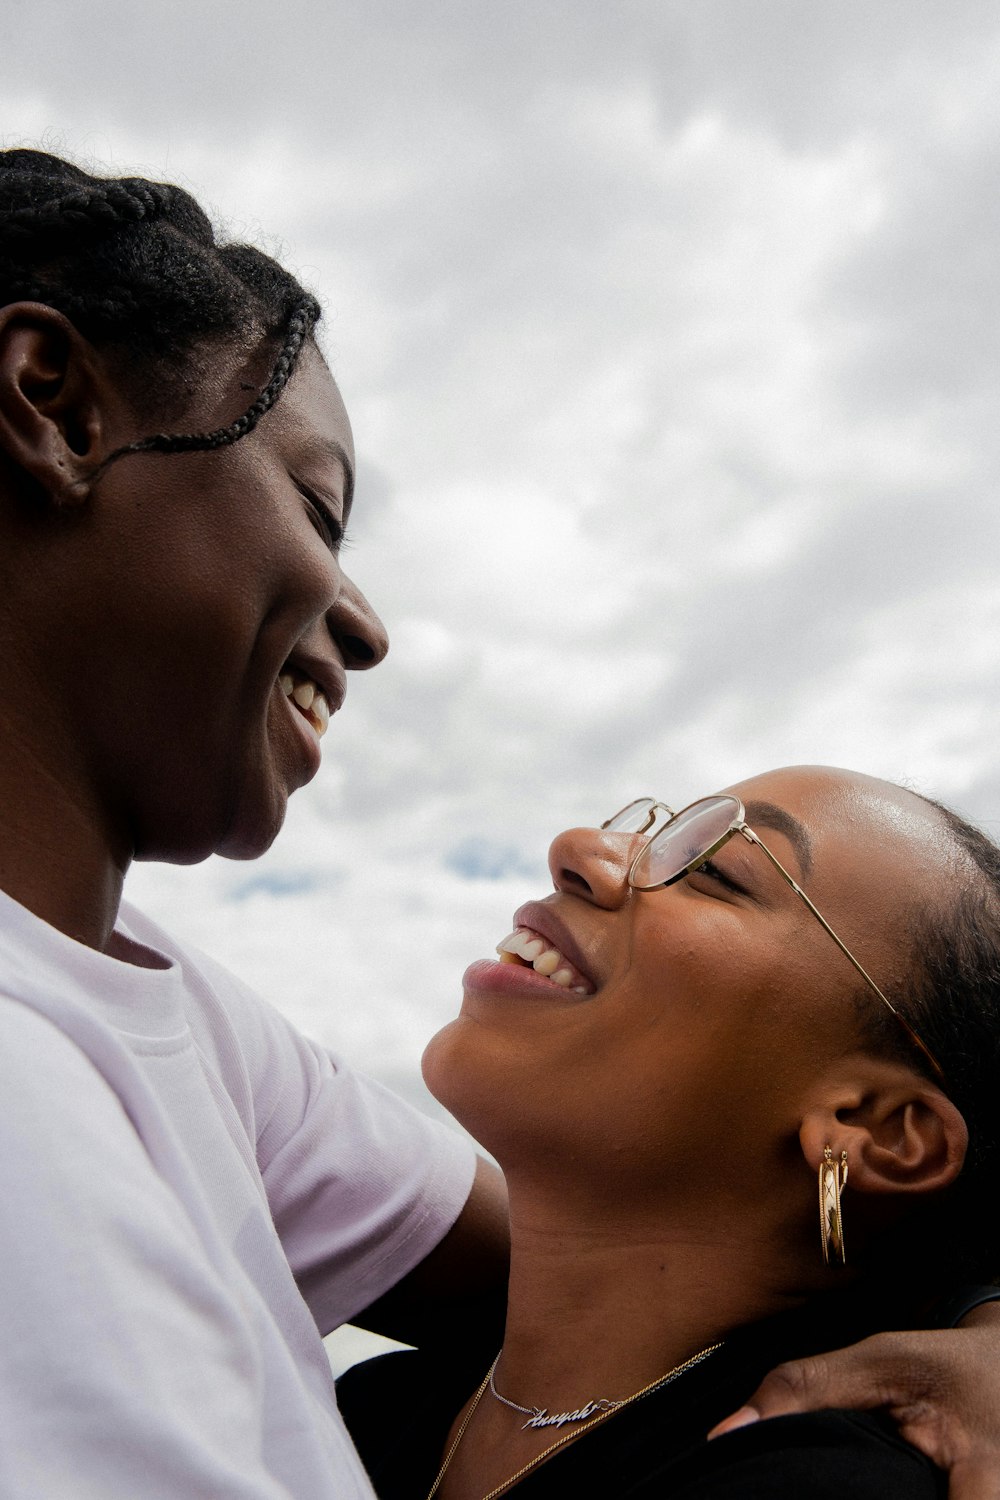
(329, 527)
(712, 872)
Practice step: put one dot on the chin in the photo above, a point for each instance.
(247, 846)
(454, 1073)
(251, 829)
(182, 837)
(437, 1065)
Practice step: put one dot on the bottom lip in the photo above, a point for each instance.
(488, 976)
(305, 733)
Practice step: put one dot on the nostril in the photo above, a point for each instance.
(358, 648)
(569, 880)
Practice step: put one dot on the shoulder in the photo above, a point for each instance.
(46, 1075)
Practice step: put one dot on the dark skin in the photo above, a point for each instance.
(173, 590)
(939, 1387)
(717, 1011)
(82, 793)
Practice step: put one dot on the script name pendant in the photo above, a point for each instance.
(540, 1416)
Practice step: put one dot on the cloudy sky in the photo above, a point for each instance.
(671, 335)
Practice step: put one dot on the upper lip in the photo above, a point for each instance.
(541, 918)
(329, 676)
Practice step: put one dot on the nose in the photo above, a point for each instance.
(593, 864)
(357, 629)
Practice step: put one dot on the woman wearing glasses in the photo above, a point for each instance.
(740, 1071)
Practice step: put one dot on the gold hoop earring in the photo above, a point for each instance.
(832, 1177)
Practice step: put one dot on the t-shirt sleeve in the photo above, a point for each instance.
(361, 1185)
(127, 1364)
(828, 1455)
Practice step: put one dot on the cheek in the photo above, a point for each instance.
(720, 1017)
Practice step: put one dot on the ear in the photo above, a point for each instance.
(50, 423)
(902, 1135)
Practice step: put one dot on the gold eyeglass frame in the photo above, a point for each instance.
(738, 825)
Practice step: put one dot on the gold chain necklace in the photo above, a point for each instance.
(567, 1437)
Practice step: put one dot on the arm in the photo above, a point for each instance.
(458, 1293)
(942, 1388)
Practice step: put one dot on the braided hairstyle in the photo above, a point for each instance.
(136, 267)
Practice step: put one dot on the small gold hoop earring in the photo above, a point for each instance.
(832, 1177)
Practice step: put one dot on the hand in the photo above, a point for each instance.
(942, 1389)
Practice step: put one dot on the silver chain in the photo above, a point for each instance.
(538, 1416)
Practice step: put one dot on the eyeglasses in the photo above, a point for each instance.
(690, 837)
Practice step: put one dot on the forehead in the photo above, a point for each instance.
(308, 424)
(865, 838)
(310, 421)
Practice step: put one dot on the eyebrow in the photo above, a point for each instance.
(770, 816)
(328, 450)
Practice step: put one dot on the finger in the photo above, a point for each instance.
(975, 1481)
(742, 1418)
(871, 1374)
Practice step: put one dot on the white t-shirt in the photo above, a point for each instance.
(179, 1169)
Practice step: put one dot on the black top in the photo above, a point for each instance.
(400, 1407)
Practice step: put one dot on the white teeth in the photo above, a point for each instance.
(546, 961)
(320, 711)
(314, 703)
(523, 944)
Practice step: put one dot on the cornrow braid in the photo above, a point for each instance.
(115, 203)
(300, 325)
(137, 268)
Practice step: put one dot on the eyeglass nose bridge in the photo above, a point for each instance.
(650, 807)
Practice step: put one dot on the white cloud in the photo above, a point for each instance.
(670, 337)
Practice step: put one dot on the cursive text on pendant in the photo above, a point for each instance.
(540, 1416)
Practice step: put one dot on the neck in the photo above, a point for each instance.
(608, 1296)
(602, 1308)
(56, 857)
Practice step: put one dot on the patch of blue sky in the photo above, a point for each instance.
(276, 883)
(484, 859)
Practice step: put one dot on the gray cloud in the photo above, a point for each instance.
(669, 335)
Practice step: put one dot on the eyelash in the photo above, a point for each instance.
(333, 533)
(712, 871)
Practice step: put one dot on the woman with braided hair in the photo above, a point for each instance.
(192, 1192)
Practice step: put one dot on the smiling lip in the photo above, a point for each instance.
(314, 689)
(541, 918)
(490, 978)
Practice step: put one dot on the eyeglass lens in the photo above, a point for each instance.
(685, 840)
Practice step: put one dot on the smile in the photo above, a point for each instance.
(310, 700)
(530, 951)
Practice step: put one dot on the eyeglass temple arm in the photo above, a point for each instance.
(748, 833)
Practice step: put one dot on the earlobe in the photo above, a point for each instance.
(50, 429)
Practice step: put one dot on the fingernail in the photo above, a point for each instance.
(742, 1418)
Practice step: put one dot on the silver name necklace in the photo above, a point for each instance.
(599, 1416)
(538, 1416)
